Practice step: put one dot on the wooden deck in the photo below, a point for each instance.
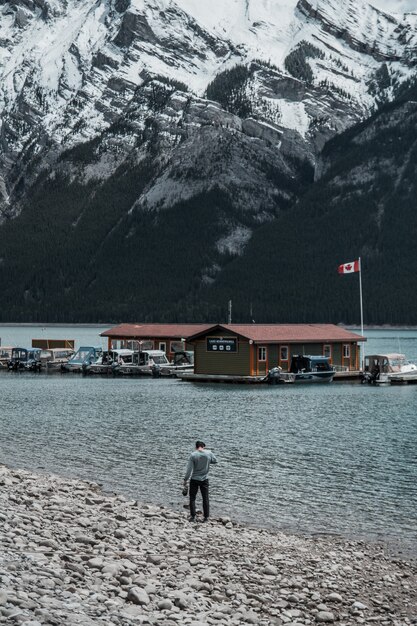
(217, 378)
(353, 376)
(257, 380)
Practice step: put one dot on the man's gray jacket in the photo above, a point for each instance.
(199, 465)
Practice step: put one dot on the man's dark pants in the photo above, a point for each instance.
(204, 488)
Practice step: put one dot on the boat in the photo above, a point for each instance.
(144, 363)
(82, 359)
(53, 358)
(27, 359)
(388, 368)
(183, 361)
(303, 369)
(5, 356)
(109, 360)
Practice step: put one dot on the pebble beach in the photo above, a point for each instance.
(71, 554)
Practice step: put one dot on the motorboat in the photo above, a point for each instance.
(183, 361)
(144, 363)
(53, 358)
(303, 369)
(312, 369)
(27, 359)
(85, 356)
(387, 368)
(5, 356)
(109, 360)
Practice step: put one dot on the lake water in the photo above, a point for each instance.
(339, 458)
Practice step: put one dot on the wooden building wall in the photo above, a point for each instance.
(245, 361)
(225, 363)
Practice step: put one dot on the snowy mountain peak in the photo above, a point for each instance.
(70, 68)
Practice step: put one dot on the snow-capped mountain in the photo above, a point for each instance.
(71, 66)
(179, 101)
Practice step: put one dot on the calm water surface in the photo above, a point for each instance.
(339, 458)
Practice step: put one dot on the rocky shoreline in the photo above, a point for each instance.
(70, 554)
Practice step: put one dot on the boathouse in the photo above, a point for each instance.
(170, 338)
(253, 349)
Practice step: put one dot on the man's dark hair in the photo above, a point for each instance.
(200, 444)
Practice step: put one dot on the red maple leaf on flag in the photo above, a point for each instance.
(348, 267)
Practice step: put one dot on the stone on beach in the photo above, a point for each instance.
(138, 595)
(71, 555)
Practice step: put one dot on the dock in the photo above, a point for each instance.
(286, 378)
(220, 378)
(350, 376)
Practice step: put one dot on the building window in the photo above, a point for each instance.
(327, 350)
(346, 350)
(177, 346)
(163, 346)
(261, 354)
(145, 344)
(283, 353)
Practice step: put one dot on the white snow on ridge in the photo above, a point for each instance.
(395, 6)
(54, 56)
(294, 115)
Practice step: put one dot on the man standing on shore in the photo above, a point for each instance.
(197, 470)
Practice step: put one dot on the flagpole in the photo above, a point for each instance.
(361, 304)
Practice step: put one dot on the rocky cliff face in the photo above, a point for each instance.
(364, 205)
(174, 103)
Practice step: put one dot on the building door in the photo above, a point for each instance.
(262, 364)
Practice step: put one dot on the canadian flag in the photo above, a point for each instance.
(349, 268)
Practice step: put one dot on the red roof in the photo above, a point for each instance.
(268, 333)
(286, 333)
(149, 331)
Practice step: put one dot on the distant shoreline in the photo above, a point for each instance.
(111, 324)
(50, 325)
(380, 327)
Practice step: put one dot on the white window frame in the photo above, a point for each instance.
(164, 344)
(281, 348)
(263, 358)
(346, 350)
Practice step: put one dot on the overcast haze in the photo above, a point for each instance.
(396, 6)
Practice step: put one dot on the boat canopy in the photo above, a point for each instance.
(309, 363)
(84, 354)
(384, 363)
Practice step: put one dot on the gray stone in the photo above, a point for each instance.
(334, 597)
(156, 559)
(165, 605)
(137, 595)
(325, 616)
(120, 534)
(359, 606)
(111, 568)
(85, 539)
(180, 600)
(270, 570)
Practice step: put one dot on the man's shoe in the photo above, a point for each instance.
(191, 519)
(206, 519)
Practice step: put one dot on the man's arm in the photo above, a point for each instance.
(189, 470)
(213, 458)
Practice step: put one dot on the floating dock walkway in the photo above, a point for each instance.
(286, 378)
